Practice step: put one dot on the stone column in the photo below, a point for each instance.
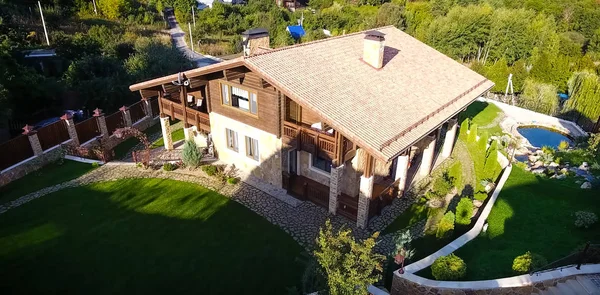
(401, 173)
(335, 187)
(68, 118)
(101, 120)
(166, 132)
(428, 155)
(126, 116)
(364, 199)
(34, 141)
(189, 133)
(450, 136)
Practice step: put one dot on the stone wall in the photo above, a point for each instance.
(30, 165)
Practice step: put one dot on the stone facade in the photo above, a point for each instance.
(334, 187)
(126, 116)
(71, 129)
(402, 285)
(268, 166)
(102, 125)
(165, 125)
(364, 198)
(35, 143)
(33, 164)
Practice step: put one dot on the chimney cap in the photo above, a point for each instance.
(375, 35)
(255, 31)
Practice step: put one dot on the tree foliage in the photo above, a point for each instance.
(446, 226)
(464, 210)
(350, 266)
(191, 155)
(540, 97)
(584, 103)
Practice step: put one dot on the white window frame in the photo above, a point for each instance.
(316, 169)
(249, 145)
(251, 101)
(232, 140)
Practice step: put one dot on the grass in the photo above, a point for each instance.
(49, 175)
(415, 213)
(484, 114)
(176, 135)
(531, 214)
(143, 236)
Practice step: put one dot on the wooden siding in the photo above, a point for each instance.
(268, 111)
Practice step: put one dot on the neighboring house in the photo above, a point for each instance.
(291, 5)
(345, 122)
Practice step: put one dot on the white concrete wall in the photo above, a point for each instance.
(268, 168)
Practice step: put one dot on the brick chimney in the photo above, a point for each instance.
(253, 39)
(374, 44)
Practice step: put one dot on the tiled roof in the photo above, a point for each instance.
(385, 110)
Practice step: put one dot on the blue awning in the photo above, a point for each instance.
(296, 31)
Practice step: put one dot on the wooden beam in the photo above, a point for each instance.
(369, 165)
(183, 97)
(208, 102)
(339, 149)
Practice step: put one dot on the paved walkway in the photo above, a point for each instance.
(178, 38)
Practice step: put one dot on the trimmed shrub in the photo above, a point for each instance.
(464, 127)
(232, 180)
(585, 219)
(191, 155)
(483, 140)
(95, 165)
(168, 166)
(464, 210)
(449, 268)
(563, 145)
(445, 226)
(442, 185)
(528, 262)
(472, 133)
(210, 170)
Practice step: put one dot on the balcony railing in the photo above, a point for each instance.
(194, 117)
(310, 140)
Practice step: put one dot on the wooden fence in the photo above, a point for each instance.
(137, 111)
(115, 121)
(87, 129)
(53, 134)
(15, 151)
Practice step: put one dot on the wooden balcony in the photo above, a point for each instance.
(317, 142)
(194, 117)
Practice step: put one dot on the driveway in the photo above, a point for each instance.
(178, 38)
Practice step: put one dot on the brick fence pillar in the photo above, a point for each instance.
(126, 116)
(334, 188)
(68, 118)
(101, 122)
(33, 140)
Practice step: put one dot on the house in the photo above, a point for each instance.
(291, 5)
(345, 122)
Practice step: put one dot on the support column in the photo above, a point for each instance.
(189, 133)
(335, 187)
(428, 155)
(450, 136)
(365, 193)
(34, 141)
(126, 116)
(101, 120)
(166, 132)
(68, 118)
(401, 173)
(147, 107)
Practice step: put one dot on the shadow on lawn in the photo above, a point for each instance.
(143, 236)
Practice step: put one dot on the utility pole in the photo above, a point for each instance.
(193, 16)
(95, 9)
(44, 24)
(191, 40)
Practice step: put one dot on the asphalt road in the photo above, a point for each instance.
(178, 38)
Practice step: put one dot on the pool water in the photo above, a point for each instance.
(540, 137)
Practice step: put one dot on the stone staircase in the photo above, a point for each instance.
(580, 285)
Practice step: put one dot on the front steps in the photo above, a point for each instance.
(581, 285)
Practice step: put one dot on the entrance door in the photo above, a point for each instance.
(293, 160)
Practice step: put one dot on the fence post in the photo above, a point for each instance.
(126, 116)
(101, 120)
(147, 107)
(582, 256)
(33, 140)
(68, 118)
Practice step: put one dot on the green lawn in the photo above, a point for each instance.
(483, 114)
(122, 148)
(49, 175)
(143, 236)
(176, 136)
(531, 214)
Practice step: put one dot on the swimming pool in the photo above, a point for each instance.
(540, 137)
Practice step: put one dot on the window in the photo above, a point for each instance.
(320, 163)
(252, 148)
(239, 98)
(232, 140)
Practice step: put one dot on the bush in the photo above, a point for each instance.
(585, 219)
(464, 210)
(445, 226)
(483, 141)
(210, 170)
(563, 145)
(95, 165)
(472, 133)
(191, 155)
(168, 166)
(442, 185)
(464, 126)
(449, 268)
(528, 262)
(232, 180)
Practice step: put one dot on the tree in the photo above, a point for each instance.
(445, 226)
(391, 14)
(540, 97)
(350, 266)
(114, 9)
(464, 210)
(551, 68)
(191, 155)
(594, 44)
(584, 103)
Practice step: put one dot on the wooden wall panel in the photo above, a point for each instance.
(268, 110)
(309, 117)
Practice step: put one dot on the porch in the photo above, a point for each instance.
(194, 116)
